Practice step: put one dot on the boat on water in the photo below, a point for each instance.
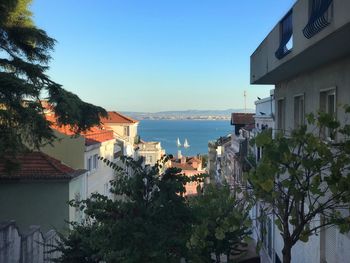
(186, 144)
(178, 143)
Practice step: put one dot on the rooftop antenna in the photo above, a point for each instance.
(245, 101)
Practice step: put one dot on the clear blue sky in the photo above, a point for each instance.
(153, 55)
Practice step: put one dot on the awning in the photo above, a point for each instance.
(286, 34)
(319, 17)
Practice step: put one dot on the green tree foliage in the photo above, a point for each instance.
(150, 220)
(305, 179)
(222, 226)
(24, 56)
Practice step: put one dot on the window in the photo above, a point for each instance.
(299, 111)
(320, 16)
(126, 130)
(328, 105)
(95, 161)
(286, 36)
(150, 159)
(281, 114)
(89, 163)
(92, 162)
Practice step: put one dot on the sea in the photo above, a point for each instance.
(197, 132)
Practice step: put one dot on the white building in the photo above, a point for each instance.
(151, 152)
(82, 151)
(124, 131)
(307, 57)
(264, 230)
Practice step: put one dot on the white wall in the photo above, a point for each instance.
(98, 179)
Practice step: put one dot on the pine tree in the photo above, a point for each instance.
(24, 57)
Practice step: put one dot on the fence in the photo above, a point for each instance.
(32, 246)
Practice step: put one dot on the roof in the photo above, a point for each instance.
(38, 165)
(242, 118)
(191, 160)
(92, 136)
(183, 166)
(116, 117)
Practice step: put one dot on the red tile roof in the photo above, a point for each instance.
(116, 117)
(183, 166)
(37, 165)
(191, 160)
(93, 135)
(100, 136)
(242, 118)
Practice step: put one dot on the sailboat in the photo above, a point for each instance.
(178, 143)
(186, 145)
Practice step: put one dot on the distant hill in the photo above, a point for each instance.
(186, 114)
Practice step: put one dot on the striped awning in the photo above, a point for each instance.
(319, 17)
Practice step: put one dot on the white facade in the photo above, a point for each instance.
(151, 152)
(312, 75)
(126, 133)
(99, 174)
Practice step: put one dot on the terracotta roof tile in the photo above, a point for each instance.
(93, 135)
(116, 117)
(242, 118)
(38, 165)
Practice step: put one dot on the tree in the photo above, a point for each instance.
(24, 56)
(149, 221)
(304, 178)
(222, 226)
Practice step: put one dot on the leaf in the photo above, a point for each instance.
(267, 185)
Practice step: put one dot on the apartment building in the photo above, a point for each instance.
(124, 131)
(263, 230)
(81, 151)
(190, 166)
(151, 152)
(307, 57)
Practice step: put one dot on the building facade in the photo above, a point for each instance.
(151, 152)
(38, 193)
(82, 151)
(124, 131)
(307, 57)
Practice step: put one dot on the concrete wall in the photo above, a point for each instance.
(35, 203)
(69, 150)
(334, 75)
(264, 61)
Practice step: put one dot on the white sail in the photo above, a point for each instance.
(178, 142)
(186, 144)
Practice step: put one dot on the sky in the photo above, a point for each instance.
(158, 55)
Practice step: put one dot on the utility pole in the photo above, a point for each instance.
(245, 102)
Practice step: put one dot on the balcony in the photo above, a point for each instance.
(320, 33)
